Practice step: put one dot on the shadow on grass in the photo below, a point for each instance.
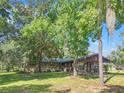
(63, 91)
(117, 73)
(14, 77)
(113, 89)
(26, 89)
(111, 75)
(109, 78)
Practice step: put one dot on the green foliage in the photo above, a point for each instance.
(10, 55)
(70, 30)
(5, 8)
(117, 57)
(51, 28)
(39, 25)
(25, 13)
(40, 42)
(2, 23)
(74, 25)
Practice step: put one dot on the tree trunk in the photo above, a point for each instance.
(100, 44)
(39, 63)
(39, 66)
(13, 68)
(100, 63)
(74, 69)
(1, 67)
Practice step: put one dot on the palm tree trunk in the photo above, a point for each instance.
(100, 44)
(100, 62)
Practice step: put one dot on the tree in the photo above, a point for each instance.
(62, 26)
(70, 28)
(14, 16)
(117, 56)
(5, 9)
(111, 7)
(73, 26)
(40, 43)
(24, 13)
(10, 55)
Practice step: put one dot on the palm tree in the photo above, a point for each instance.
(100, 43)
(110, 20)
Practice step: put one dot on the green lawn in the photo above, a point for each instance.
(56, 82)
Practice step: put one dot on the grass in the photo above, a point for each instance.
(58, 82)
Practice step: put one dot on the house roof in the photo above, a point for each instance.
(88, 58)
(92, 58)
(59, 60)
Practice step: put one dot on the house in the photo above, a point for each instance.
(88, 64)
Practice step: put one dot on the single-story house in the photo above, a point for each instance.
(89, 64)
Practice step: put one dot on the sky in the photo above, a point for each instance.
(110, 43)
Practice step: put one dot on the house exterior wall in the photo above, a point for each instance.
(88, 64)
